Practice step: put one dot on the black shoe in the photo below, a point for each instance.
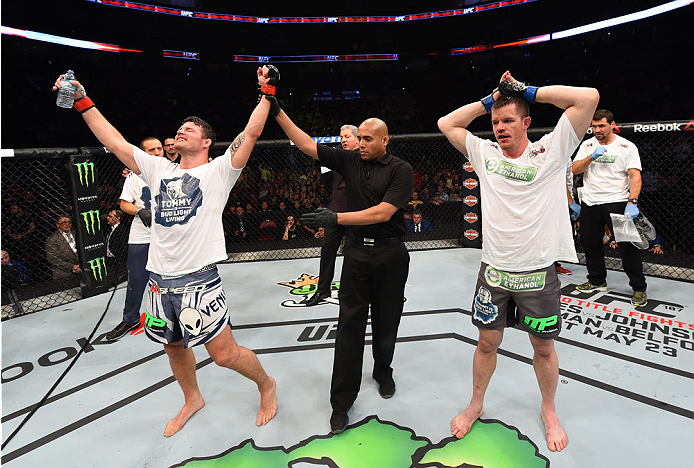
(317, 298)
(387, 389)
(120, 331)
(338, 421)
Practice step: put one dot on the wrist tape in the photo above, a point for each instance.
(83, 104)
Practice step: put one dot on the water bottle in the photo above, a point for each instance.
(66, 93)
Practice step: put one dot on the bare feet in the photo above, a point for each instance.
(188, 410)
(556, 437)
(462, 423)
(268, 404)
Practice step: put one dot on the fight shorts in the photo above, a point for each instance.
(527, 300)
(192, 308)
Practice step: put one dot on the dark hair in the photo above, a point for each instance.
(207, 130)
(142, 142)
(603, 114)
(61, 216)
(521, 104)
(417, 212)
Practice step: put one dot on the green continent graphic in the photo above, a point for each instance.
(374, 443)
(489, 445)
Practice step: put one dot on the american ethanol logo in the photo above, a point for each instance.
(510, 171)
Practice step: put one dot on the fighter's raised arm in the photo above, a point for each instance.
(242, 146)
(300, 138)
(100, 127)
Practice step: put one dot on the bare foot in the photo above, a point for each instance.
(268, 404)
(462, 423)
(188, 410)
(556, 437)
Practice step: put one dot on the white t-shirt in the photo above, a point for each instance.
(187, 205)
(137, 192)
(525, 217)
(606, 179)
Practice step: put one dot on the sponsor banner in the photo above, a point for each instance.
(470, 200)
(650, 127)
(471, 217)
(468, 167)
(470, 183)
(91, 247)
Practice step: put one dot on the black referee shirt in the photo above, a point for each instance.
(389, 179)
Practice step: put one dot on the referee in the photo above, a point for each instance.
(376, 261)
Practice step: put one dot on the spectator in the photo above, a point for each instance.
(418, 224)
(241, 226)
(19, 268)
(18, 228)
(11, 281)
(116, 240)
(170, 152)
(291, 229)
(415, 202)
(61, 251)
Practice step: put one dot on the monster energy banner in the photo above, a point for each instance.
(91, 248)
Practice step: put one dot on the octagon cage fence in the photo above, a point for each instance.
(280, 182)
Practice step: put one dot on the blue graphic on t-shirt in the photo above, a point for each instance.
(146, 197)
(178, 200)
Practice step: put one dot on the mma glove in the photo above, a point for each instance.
(145, 216)
(268, 90)
(599, 151)
(322, 217)
(576, 208)
(516, 88)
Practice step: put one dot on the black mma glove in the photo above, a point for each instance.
(516, 88)
(274, 105)
(322, 217)
(268, 90)
(145, 216)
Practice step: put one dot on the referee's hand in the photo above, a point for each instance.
(322, 217)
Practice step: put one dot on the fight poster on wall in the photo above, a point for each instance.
(91, 248)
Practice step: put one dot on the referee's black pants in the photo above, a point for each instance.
(593, 220)
(328, 254)
(370, 275)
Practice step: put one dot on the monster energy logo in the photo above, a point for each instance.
(95, 266)
(90, 218)
(87, 167)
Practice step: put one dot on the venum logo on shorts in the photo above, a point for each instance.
(485, 310)
(471, 234)
(471, 217)
(470, 183)
(178, 200)
(510, 171)
(542, 325)
(191, 320)
(470, 200)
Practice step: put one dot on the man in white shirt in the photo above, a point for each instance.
(187, 304)
(611, 170)
(525, 222)
(136, 200)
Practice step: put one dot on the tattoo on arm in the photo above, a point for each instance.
(236, 144)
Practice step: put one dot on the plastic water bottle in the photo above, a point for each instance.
(66, 93)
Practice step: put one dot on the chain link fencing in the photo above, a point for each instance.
(261, 219)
